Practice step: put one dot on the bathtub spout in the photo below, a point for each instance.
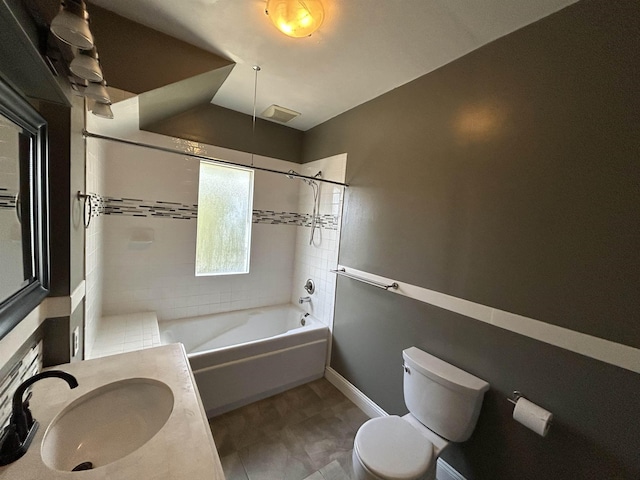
(302, 300)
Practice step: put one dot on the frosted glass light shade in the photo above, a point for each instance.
(102, 110)
(296, 18)
(71, 26)
(97, 92)
(85, 65)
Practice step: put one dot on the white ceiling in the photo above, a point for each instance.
(363, 49)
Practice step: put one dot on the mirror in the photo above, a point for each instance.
(23, 209)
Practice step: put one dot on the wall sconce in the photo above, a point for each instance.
(102, 110)
(296, 18)
(71, 25)
(85, 65)
(97, 92)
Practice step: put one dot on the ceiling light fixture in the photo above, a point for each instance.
(296, 18)
(71, 25)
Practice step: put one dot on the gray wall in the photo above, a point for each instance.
(137, 59)
(509, 178)
(66, 178)
(66, 237)
(77, 182)
(21, 64)
(226, 128)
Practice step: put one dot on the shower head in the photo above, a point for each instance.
(294, 174)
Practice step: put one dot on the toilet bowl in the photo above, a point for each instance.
(391, 448)
(444, 403)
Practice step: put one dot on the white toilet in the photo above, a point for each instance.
(444, 403)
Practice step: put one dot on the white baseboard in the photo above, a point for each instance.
(444, 470)
(365, 404)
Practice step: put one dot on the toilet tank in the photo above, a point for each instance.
(442, 397)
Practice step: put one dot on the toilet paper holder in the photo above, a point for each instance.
(515, 396)
(530, 415)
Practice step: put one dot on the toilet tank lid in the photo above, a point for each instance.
(443, 373)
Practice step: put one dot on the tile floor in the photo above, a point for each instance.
(302, 434)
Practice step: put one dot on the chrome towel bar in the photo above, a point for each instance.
(86, 198)
(89, 209)
(383, 286)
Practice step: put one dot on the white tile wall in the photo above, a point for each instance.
(159, 276)
(315, 261)
(95, 179)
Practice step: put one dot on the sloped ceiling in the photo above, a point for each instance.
(364, 48)
(170, 76)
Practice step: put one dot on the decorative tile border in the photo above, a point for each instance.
(26, 367)
(328, 222)
(135, 207)
(7, 199)
(277, 218)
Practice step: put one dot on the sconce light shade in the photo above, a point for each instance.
(71, 25)
(296, 18)
(102, 110)
(85, 65)
(97, 92)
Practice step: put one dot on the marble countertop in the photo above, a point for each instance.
(183, 448)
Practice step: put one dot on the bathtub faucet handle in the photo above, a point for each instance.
(310, 287)
(302, 300)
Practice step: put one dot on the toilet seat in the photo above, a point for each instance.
(391, 448)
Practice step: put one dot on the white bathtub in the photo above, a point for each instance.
(240, 357)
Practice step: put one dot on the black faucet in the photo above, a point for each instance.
(17, 435)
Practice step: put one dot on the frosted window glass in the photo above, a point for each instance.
(225, 201)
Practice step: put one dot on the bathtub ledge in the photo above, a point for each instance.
(125, 333)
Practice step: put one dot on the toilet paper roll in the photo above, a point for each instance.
(532, 416)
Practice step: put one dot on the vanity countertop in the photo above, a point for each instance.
(183, 448)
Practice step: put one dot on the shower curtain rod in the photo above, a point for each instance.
(88, 134)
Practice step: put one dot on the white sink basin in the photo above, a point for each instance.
(107, 423)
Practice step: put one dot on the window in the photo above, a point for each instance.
(225, 200)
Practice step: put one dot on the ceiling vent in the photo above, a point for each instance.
(280, 114)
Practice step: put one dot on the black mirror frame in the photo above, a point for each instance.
(16, 307)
